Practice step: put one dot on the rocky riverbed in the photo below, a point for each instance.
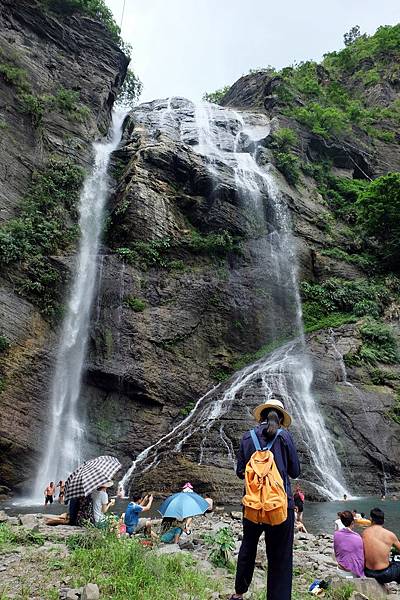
(34, 571)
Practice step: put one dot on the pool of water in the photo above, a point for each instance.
(319, 517)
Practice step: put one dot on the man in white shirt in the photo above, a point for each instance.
(101, 504)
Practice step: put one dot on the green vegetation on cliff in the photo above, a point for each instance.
(44, 228)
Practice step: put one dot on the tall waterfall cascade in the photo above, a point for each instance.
(65, 439)
(230, 140)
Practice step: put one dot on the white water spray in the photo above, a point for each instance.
(64, 447)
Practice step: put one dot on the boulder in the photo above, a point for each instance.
(3, 516)
(73, 594)
(367, 587)
(29, 522)
(237, 515)
(169, 549)
(90, 592)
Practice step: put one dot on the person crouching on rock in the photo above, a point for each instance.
(133, 523)
(268, 449)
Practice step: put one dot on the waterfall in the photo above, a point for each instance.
(228, 142)
(65, 439)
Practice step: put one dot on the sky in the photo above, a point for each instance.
(188, 47)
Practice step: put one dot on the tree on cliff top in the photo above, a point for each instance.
(130, 91)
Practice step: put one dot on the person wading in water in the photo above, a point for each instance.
(49, 493)
(271, 434)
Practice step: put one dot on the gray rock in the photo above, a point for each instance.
(368, 587)
(237, 515)
(13, 521)
(168, 549)
(90, 592)
(3, 516)
(73, 594)
(29, 522)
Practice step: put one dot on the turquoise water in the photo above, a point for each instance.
(320, 516)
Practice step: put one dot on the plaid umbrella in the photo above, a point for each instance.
(91, 475)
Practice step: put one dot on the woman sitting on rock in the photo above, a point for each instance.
(348, 546)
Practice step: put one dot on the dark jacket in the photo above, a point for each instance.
(284, 452)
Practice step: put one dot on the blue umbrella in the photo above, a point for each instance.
(182, 505)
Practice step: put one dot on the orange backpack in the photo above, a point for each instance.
(265, 500)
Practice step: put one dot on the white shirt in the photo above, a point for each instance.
(99, 498)
(339, 525)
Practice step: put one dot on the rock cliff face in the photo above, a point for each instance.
(185, 295)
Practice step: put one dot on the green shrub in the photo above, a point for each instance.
(321, 120)
(43, 229)
(365, 261)
(4, 344)
(222, 543)
(186, 410)
(33, 105)
(135, 304)
(220, 243)
(284, 139)
(288, 164)
(340, 295)
(14, 76)
(216, 97)
(18, 536)
(378, 345)
(379, 215)
(64, 100)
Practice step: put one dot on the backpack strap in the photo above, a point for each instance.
(257, 444)
(254, 437)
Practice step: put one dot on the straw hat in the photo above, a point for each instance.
(278, 405)
(107, 484)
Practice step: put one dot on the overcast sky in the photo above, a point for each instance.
(187, 47)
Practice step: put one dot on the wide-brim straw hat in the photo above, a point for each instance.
(278, 406)
(107, 484)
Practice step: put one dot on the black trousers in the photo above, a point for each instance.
(279, 547)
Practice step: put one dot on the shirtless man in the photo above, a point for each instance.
(378, 542)
(49, 493)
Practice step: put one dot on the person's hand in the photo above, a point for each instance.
(112, 501)
(151, 498)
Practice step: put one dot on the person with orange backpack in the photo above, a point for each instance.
(267, 458)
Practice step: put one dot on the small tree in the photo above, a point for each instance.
(216, 97)
(352, 35)
(130, 91)
(379, 215)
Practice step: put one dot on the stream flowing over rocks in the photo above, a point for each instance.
(204, 246)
